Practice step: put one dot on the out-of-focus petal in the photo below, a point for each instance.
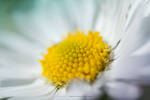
(34, 90)
(112, 18)
(134, 69)
(123, 91)
(143, 50)
(136, 33)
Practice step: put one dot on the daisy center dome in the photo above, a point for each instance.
(78, 56)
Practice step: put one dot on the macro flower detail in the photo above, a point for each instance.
(40, 60)
(80, 55)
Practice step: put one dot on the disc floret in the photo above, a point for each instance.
(82, 56)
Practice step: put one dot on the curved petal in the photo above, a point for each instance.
(134, 69)
(112, 19)
(18, 43)
(19, 73)
(137, 31)
(50, 20)
(79, 89)
(123, 91)
(143, 50)
(36, 89)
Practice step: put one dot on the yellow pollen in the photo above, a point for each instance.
(82, 56)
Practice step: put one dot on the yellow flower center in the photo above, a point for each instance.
(82, 56)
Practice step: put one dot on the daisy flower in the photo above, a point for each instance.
(74, 49)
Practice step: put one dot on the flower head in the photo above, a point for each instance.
(77, 56)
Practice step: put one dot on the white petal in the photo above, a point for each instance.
(38, 88)
(123, 91)
(19, 73)
(143, 50)
(136, 33)
(75, 86)
(16, 82)
(112, 19)
(134, 69)
(77, 90)
(19, 43)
